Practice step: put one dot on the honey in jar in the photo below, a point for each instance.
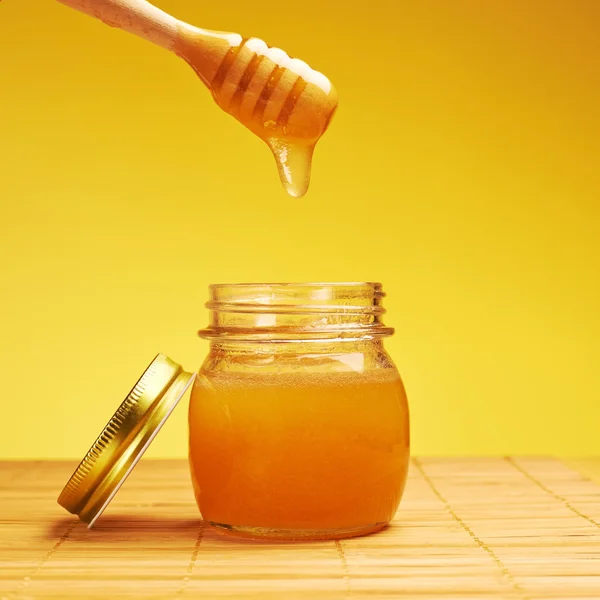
(298, 417)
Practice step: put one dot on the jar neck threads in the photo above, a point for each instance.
(287, 312)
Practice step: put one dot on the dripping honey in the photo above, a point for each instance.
(280, 99)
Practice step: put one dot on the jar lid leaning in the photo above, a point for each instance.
(125, 438)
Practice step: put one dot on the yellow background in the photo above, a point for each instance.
(461, 170)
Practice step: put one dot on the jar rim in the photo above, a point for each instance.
(296, 310)
(352, 284)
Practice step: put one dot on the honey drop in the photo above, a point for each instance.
(293, 165)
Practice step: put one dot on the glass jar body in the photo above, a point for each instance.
(299, 440)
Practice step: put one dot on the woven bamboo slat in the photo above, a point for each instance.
(494, 528)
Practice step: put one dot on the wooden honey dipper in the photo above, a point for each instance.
(280, 99)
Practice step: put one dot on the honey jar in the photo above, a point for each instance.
(298, 418)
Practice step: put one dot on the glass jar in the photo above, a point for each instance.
(298, 418)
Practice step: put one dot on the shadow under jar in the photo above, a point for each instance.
(298, 418)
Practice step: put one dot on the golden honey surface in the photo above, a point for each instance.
(316, 451)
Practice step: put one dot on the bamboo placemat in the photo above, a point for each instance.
(513, 528)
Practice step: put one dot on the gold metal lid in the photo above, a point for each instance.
(124, 439)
